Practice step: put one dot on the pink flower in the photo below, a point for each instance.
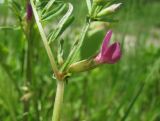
(109, 53)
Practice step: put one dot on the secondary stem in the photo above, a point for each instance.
(44, 38)
(58, 101)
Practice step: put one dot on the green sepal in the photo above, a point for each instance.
(82, 66)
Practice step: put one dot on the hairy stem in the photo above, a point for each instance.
(58, 101)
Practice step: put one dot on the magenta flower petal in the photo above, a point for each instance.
(106, 41)
(117, 53)
(113, 54)
(108, 54)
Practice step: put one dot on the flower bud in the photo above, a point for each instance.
(109, 10)
(29, 12)
(60, 60)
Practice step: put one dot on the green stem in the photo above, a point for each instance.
(76, 47)
(29, 69)
(58, 101)
(44, 38)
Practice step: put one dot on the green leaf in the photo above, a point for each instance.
(47, 6)
(89, 5)
(54, 12)
(16, 5)
(16, 8)
(66, 16)
(50, 3)
(66, 20)
(55, 34)
(40, 5)
(10, 27)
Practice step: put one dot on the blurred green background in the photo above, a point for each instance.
(126, 91)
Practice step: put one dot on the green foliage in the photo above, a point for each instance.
(127, 91)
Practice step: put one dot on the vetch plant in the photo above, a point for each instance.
(28, 83)
(98, 10)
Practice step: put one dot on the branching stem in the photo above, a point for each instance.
(59, 74)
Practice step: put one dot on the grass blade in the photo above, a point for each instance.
(132, 103)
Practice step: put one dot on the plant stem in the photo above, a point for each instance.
(60, 83)
(76, 47)
(29, 71)
(58, 101)
(44, 38)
